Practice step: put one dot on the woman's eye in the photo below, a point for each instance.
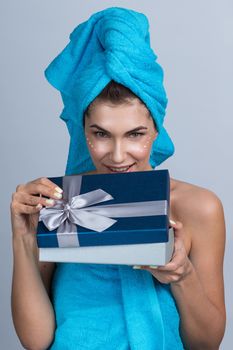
(100, 133)
(135, 134)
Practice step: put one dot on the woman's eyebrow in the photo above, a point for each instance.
(141, 127)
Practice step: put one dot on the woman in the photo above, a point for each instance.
(121, 134)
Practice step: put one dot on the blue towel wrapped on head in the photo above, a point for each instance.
(114, 44)
(110, 306)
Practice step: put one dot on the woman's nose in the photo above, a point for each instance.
(117, 152)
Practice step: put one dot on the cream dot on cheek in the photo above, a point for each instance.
(93, 146)
(89, 142)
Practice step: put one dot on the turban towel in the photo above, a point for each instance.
(110, 306)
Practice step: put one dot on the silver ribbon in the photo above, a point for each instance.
(78, 209)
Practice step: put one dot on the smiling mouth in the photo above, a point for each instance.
(119, 169)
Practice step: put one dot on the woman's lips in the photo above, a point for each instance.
(119, 171)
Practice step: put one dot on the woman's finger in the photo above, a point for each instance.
(179, 253)
(27, 199)
(177, 226)
(20, 208)
(177, 261)
(40, 181)
(45, 181)
(40, 189)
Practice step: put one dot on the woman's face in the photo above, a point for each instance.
(119, 137)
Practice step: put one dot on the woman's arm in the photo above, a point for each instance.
(200, 296)
(32, 311)
(197, 281)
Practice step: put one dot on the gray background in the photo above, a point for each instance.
(194, 43)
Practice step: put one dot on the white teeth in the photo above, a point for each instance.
(120, 169)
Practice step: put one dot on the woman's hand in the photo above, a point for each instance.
(179, 266)
(27, 202)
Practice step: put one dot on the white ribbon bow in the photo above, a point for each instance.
(79, 212)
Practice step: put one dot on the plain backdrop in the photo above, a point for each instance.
(194, 44)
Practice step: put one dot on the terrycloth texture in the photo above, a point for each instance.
(110, 307)
(106, 307)
(113, 44)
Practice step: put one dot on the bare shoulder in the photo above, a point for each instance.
(199, 209)
(194, 202)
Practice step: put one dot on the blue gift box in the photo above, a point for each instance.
(107, 209)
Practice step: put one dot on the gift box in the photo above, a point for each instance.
(120, 218)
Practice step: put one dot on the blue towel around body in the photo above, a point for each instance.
(112, 307)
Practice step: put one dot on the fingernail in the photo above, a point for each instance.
(172, 222)
(137, 267)
(39, 206)
(50, 201)
(58, 189)
(58, 195)
(153, 267)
